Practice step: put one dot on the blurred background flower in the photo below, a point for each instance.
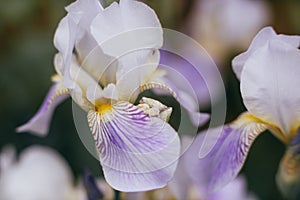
(26, 56)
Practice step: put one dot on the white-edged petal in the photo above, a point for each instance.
(137, 152)
(40, 122)
(268, 84)
(262, 37)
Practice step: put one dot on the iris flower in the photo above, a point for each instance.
(106, 58)
(269, 72)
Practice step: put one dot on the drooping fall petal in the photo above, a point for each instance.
(137, 152)
(223, 151)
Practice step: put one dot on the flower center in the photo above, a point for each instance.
(103, 108)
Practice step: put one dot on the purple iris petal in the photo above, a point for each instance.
(137, 152)
(224, 161)
(39, 123)
(199, 77)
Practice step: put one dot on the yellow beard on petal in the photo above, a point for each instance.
(104, 108)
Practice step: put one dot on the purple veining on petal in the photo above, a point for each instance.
(223, 163)
(40, 122)
(134, 146)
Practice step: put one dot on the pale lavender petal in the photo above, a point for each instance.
(288, 175)
(236, 189)
(40, 122)
(181, 79)
(200, 76)
(137, 152)
(181, 182)
(225, 159)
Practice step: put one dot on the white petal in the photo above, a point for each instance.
(81, 83)
(64, 40)
(130, 25)
(109, 92)
(40, 173)
(40, 122)
(92, 58)
(137, 152)
(262, 37)
(268, 84)
(135, 70)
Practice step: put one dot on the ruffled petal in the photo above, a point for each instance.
(40, 122)
(137, 152)
(268, 84)
(129, 25)
(223, 151)
(262, 37)
(288, 175)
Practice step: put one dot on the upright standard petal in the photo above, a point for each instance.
(227, 148)
(130, 25)
(135, 69)
(288, 175)
(268, 84)
(40, 122)
(262, 37)
(137, 152)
